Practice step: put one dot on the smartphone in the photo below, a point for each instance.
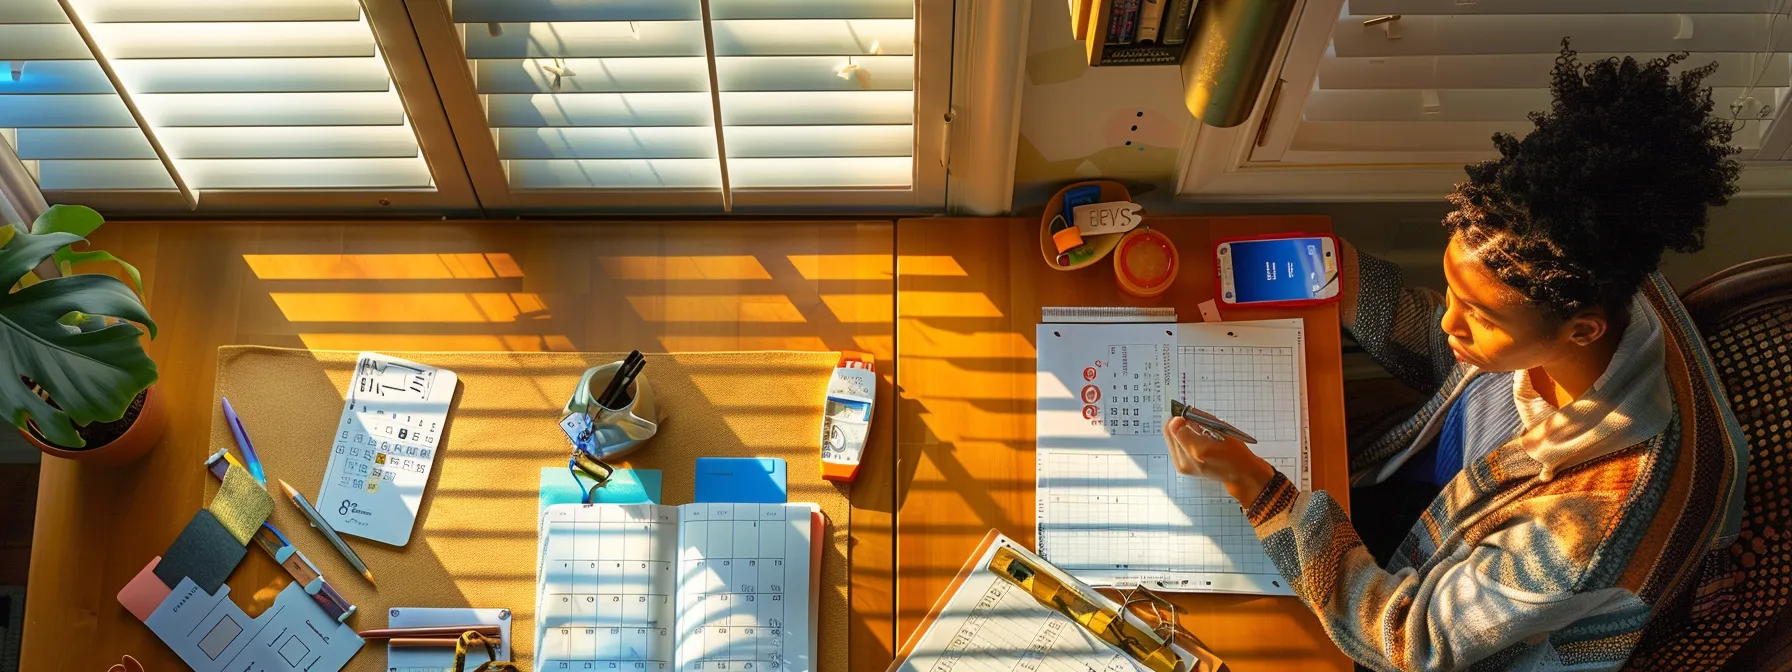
(1283, 270)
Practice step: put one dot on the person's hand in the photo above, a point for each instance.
(1197, 451)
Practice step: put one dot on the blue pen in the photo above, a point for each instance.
(242, 441)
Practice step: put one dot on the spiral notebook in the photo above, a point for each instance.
(1111, 508)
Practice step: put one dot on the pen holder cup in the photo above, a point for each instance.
(615, 431)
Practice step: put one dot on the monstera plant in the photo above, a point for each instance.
(73, 377)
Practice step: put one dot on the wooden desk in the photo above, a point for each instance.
(542, 286)
(968, 298)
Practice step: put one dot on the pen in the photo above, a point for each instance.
(242, 441)
(1207, 420)
(625, 374)
(434, 631)
(317, 521)
(288, 556)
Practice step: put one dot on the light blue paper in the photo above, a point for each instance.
(741, 480)
(627, 486)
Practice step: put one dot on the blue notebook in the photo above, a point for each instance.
(741, 480)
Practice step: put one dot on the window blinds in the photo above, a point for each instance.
(1436, 83)
(616, 94)
(275, 94)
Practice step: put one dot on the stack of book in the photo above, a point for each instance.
(1132, 32)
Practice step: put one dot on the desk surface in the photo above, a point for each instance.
(443, 286)
(969, 294)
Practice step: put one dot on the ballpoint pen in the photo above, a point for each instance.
(1208, 421)
(276, 545)
(242, 441)
(317, 521)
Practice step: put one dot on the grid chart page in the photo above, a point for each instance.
(745, 599)
(385, 445)
(991, 625)
(607, 585)
(1112, 509)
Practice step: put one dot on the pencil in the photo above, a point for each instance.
(422, 642)
(323, 526)
(434, 631)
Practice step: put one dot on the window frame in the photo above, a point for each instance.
(1247, 163)
(453, 193)
(441, 46)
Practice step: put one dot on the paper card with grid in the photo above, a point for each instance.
(697, 588)
(385, 445)
(1111, 508)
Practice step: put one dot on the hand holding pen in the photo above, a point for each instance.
(1205, 446)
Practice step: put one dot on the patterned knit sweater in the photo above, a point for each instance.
(1552, 551)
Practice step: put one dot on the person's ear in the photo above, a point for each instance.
(1586, 326)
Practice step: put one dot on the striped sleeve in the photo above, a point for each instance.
(1468, 605)
(1396, 325)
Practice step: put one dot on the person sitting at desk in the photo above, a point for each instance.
(1580, 456)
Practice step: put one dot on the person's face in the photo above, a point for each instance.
(1492, 327)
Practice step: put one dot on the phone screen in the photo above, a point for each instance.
(1287, 269)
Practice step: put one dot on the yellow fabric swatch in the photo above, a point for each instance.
(242, 504)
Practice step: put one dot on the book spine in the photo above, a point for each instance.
(1176, 21)
(1123, 21)
(1151, 16)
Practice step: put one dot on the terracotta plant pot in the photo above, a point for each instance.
(145, 431)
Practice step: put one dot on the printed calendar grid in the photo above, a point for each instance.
(990, 635)
(736, 576)
(608, 589)
(1250, 387)
(1144, 517)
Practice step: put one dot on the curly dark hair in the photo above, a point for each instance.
(1621, 168)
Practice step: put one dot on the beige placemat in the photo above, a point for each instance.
(475, 540)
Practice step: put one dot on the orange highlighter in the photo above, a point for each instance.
(846, 416)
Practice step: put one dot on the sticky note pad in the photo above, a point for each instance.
(204, 552)
(741, 480)
(626, 486)
(242, 504)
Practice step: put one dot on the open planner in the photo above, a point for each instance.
(1112, 509)
(700, 588)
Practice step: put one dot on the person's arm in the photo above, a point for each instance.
(1397, 326)
(1458, 609)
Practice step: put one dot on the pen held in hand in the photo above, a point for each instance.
(1208, 421)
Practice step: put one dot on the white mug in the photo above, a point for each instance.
(615, 431)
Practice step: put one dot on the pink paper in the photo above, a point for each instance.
(145, 592)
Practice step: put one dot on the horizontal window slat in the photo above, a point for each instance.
(522, 11)
(41, 42)
(71, 111)
(587, 40)
(824, 37)
(235, 40)
(1422, 35)
(56, 77)
(691, 142)
(815, 73)
(818, 107)
(1523, 71)
(83, 143)
(1457, 7)
(616, 174)
(824, 173)
(306, 173)
(90, 175)
(811, 9)
(272, 109)
(254, 75)
(595, 75)
(306, 142)
(31, 11)
(1453, 104)
(599, 109)
(752, 142)
(108, 11)
(1393, 136)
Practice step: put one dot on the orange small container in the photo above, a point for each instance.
(1145, 262)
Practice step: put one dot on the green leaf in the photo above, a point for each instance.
(93, 376)
(70, 257)
(76, 219)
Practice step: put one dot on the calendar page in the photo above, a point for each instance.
(384, 448)
(605, 598)
(746, 602)
(1111, 507)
